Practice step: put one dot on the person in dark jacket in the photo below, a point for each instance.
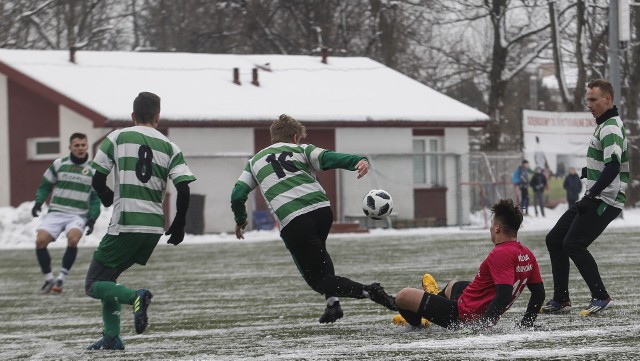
(573, 185)
(538, 184)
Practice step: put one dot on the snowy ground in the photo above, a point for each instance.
(220, 299)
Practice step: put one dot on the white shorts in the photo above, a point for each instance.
(56, 222)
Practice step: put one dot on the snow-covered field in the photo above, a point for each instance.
(220, 299)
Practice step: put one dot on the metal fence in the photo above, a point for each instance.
(490, 177)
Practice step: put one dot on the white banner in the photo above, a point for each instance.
(556, 140)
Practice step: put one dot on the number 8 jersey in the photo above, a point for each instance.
(144, 159)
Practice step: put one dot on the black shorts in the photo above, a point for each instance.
(457, 289)
(441, 310)
(306, 237)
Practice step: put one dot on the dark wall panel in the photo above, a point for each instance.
(30, 115)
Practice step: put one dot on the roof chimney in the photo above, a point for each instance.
(254, 75)
(72, 54)
(324, 52)
(236, 76)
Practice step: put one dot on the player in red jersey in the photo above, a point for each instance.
(503, 275)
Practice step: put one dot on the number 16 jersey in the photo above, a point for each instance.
(286, 174)
(144, 159)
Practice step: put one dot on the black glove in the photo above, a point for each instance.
(177, 233)
(106, 197)
(36, 209)
(586, 202)
(89, 225)
(583, 174)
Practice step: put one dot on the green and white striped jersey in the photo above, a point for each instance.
(71, 185)
(144, 159)
(609, 142)
(286, 174)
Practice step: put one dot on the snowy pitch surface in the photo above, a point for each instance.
(246, 301)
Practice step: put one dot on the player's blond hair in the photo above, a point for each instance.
(283, 129)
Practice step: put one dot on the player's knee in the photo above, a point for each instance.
(88, 288)
(404, 297)
(449, 287)
(73, 241)
(573, 247)
(552, 241)
(41, 242)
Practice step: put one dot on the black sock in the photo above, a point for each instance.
(44, 259)
(69, 257)
(412, 318)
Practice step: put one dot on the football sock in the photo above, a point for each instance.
(412, 318)
(44, 259)
(69, 257)
(111, 318)
(63, 273)
(114, 292)
(48, 276)
(332, 300)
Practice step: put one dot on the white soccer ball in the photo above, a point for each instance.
(377, 204)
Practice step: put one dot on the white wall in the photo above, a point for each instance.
(216, 157)
(5, 189)
(365, 141)
(457, 142)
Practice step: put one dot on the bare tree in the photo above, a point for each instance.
(59, 24)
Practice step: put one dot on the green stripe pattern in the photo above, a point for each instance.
(286, 175)
(609, 143)
(71, 185)
(140, 177)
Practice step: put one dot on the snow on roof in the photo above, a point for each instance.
(197, 87)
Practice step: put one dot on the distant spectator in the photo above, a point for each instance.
(573, 185)
(538, 184)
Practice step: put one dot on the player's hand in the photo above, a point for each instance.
(583, 173)
(106, 197)
(176, 230)
(36, 209)
(362, 168)
(89, 225)
(240, 230)
(586, 203)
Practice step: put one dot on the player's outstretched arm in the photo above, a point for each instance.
(497, 306)
(99, 184)
(334, 160)
(535, 302)
(176, 230)
(239, 196)
(44, 189)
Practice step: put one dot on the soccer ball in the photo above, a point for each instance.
(377, 204)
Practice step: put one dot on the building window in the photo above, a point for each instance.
(43, 148)
(427, 166)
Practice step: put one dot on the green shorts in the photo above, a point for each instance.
(126, 248)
